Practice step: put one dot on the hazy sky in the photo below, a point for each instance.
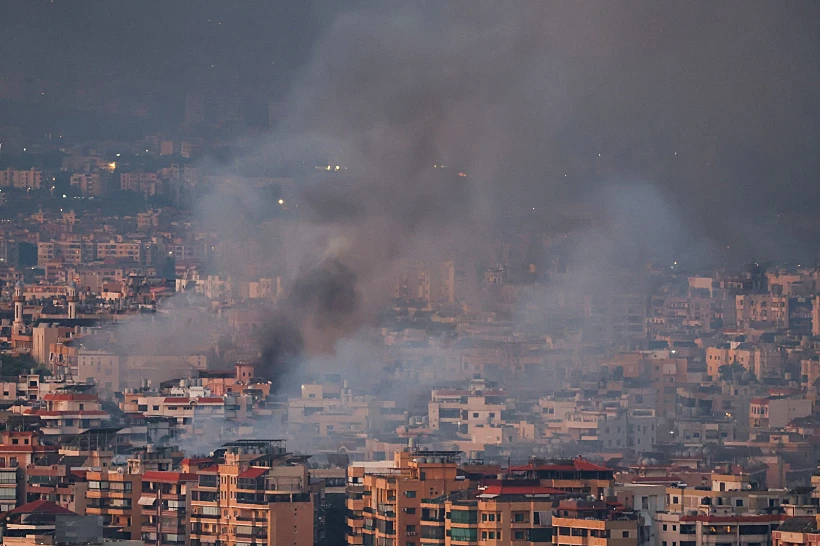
(712, 103)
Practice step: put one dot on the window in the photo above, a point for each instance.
(520, 535)
(410, 510)
(625, 534)
(664, 527)
(738, 502)
(410, 494)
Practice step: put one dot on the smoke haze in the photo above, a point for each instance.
(687, 127)
(640, 109)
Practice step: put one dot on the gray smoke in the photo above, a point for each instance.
(541, 105)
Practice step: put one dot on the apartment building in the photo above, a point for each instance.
(762, 311)
(57, 483)
(165, 503)
(506, 512)
(729, 530)
(24, 179)
(89, 184)
(258, 493)
(121, 250)
(573, 476)
(593, 523)
(798, 531)
(20, 448)
(777, 411)
(384, 498)
(114, 495)
(73, 251)
(67, 414)
(456, 413)
(11, 478)
(143, 182)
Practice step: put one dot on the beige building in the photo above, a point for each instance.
(762, 311)
(593, 523)
(89, 184)
(121, 250)
(777, 412)
(258, 494)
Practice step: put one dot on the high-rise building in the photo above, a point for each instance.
(257, 493)
(384, 499)
(165, 503)
(114, 495)
(505, 512)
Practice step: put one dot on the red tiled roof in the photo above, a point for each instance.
(54, 397)
(210, 400)
(214, 468)
(41, 507)
(177, 400)
(520, 490)
(253, 472)
(81, 413)
(577, 464)
(168, 477)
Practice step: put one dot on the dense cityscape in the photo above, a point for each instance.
(409, 276)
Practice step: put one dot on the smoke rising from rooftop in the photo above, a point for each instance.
(541, 104)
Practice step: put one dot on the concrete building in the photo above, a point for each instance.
(259, 493)
(593, 523)
(165, 502)
(114, 495)
(384, 499)
(67, 414)
(777, 412)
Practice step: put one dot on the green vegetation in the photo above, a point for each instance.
(12, 366)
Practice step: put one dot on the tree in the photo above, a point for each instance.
(12, 366)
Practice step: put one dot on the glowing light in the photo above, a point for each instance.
(281, 201)
(112, 165)
(118, 155)
(462, 174)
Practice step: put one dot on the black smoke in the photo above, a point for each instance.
(319, 309)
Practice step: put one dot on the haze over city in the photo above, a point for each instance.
(409, 273)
